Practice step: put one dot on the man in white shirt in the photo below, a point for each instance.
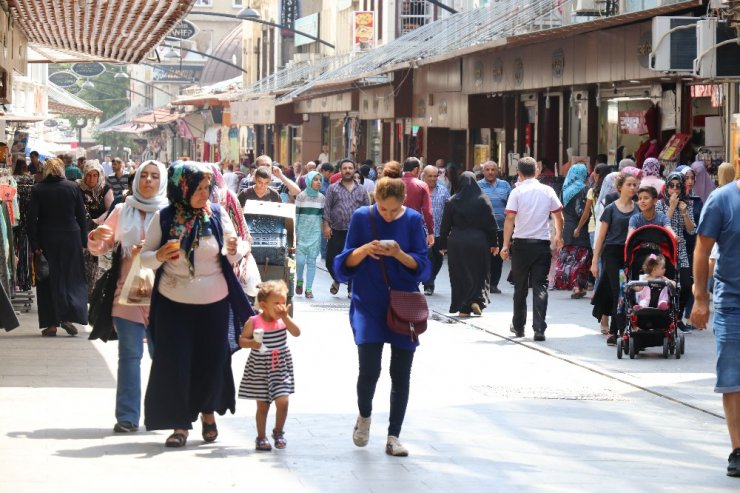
(324, 156)
(527, 213)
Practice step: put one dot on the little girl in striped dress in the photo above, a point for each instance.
(268, 374)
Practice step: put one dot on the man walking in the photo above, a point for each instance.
(417, 195)
(439, 196)
(283, 185)
(71, 172)
(498, 192)
(527, 212)
(117, 181)
(342, 199)
(719, 224)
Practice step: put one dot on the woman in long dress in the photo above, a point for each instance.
(57, 227)
(468, 233)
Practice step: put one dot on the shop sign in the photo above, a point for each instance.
(673, 148)
(289, 12)
(632, 122)
(518, 72)
(177, 73)
(363, 31)
(183, 30)
(91, 69)
(498, 70)
(308, 25)
(558, 63)
(63, 79)
(73, 89)
(712, 91)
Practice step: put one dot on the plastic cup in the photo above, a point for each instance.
(258, 335)
(175, 241)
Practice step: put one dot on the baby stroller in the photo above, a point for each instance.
(647, 326)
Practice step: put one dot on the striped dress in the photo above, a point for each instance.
(268, 375)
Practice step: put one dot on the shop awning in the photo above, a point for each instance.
(131, 128)
(124, 30)
(494, 25)
(158, 116)
(63, 102)
(217, 94)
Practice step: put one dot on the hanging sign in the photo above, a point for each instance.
(184, 30)
(363, 30)
(672, 150)
(632, 122)
(308, 25)
(63, 79)
(90, 69)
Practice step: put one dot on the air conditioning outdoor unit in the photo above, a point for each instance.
(674, 44)
(718, 51)
(590, 7)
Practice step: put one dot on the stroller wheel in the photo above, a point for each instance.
(665, 347)
(620, 344)
(632, 348)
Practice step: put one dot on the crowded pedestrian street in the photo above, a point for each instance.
(486, 413)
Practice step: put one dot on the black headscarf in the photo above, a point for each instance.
(470, 200)
(678, 176)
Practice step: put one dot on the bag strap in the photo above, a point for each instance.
(375, 236)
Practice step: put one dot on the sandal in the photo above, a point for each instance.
(177, 440)
(262, 444)
(334, 289)
(279, 437)
(209, 431)
(309, 294)
(49, 332)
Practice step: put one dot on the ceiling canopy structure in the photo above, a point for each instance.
(122, 30)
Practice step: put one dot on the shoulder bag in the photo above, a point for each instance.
(407, 310)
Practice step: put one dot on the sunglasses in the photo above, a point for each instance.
(674, 185)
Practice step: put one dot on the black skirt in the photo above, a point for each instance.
(469, 260)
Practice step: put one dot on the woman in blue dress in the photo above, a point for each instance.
(406, 262)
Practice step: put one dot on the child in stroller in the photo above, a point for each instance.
(654, 269)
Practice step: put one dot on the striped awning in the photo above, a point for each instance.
(123, 30)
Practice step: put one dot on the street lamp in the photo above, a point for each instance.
(249, 14)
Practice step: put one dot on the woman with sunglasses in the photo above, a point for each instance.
(680, 211)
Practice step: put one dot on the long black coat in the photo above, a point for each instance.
(57, 225)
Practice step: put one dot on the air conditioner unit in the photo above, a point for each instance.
(674, 46)
(713, 58)
(590, 7)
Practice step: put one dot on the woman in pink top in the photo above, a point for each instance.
(126, 226)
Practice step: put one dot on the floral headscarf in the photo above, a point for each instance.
(189, 224)
(631, 170)
(651, 167)
(227, 199)
(677, 176)
(575, 181)
(90, 166)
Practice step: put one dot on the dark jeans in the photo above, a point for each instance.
(612, 260)
(370, 356)
(530, 259)
(497, 262)
(334, 247)
(437, 259)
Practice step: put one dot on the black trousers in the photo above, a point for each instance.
(437, 259)
(497, 262)
(530, 259)
(334, 247)
(370, 356)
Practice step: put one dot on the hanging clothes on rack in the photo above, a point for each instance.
(22, 248)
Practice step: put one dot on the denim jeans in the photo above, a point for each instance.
(309, 262)
(370, 356)
(130, 351)
(437, 259)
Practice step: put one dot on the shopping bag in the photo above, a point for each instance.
(137, 290)
(249, 275)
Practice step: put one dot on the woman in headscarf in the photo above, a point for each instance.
(98, 197)
(125, 227)
(651, 176)
(574, 259)
(468, 232)
(703, 184)
(192, 244)
(309, 210)
(57, 227)
(680, 211)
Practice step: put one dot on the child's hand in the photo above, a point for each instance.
(249, 343)
(282, 310)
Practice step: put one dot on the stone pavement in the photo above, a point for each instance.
(485, 414)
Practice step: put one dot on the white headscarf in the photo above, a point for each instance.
(129, 231)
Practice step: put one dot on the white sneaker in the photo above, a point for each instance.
(361, 434)
(393, 447)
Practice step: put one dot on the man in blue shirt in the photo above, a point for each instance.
(720, 223)
(71, 172)
(498, 192)
(439, 197)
